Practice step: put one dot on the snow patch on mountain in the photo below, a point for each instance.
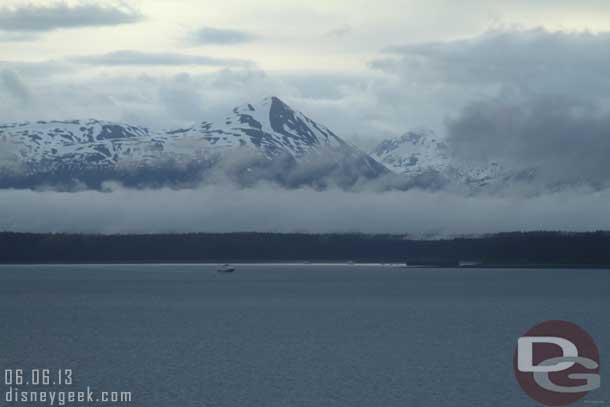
(419, 154)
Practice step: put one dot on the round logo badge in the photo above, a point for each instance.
(557, 363)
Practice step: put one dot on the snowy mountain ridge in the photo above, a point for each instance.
(92, 150)
(426, 159)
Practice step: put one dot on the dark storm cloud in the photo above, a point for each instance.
(135, 58)
(35, 18)
(221, 36)
(563, 140)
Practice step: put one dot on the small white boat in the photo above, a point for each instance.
(226, 269)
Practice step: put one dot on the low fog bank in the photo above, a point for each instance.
(272, 209)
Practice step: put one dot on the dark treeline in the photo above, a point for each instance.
(510, 249)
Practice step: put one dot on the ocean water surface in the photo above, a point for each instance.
(291, 335)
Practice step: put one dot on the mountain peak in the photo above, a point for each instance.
(262, 106)
(277, 101)
(273, 118)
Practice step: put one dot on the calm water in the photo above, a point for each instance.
(288, 335)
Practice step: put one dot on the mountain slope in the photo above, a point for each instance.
(413, 153)
(268, 141)
(424, 160)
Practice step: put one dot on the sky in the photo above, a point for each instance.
(368, 72)
(524, 83)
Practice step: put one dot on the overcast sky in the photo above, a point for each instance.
(524, 83)
(366, 70)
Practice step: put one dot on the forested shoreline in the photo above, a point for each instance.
(503, 249)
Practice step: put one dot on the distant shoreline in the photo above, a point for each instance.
(328, 263)
(504, 250)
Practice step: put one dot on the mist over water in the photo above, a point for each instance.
(268, 208)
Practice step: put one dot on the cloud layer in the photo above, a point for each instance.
(222, 209)
(221, 36)
(533, 100)
(15, 86)
(40, 18)
(562, 140)
(138, 58)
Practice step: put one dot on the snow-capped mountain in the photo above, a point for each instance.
(425, 160)
(268, 140)
(413, 153)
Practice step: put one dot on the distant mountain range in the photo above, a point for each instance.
(254, 142)
(424, 160)
(268, 141)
